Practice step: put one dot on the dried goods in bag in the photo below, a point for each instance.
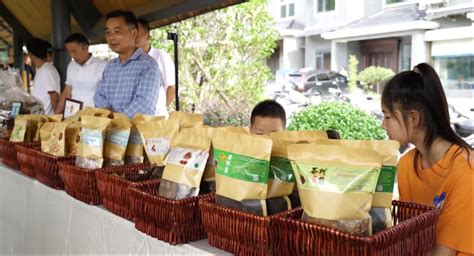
(91, 145)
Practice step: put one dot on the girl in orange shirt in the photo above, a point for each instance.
(439, 171)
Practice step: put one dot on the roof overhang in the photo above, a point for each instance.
(351, 33)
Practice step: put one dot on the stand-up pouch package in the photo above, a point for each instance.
(185, 166)
(281, 177)
(116, 140)
(91, 146)
(156, 137)
(382, 201)
(187, 120)
(208, 182)
(336, 185)
(135, 151)
(243, 162)
(19, 130)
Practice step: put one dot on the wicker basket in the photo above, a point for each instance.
(114, 189)
(47, 170)
(80, 183)
(8, 149)
(172, 221)
(238, 232)
(26, 159)
(413, 234)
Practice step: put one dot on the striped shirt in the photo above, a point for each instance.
(129, 88)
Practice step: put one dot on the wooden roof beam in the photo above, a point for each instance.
(86, 15)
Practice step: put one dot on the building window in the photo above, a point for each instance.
(323, 60)
(456, 72)
(326, 5)
(287, 9)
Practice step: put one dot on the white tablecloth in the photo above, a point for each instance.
(37, 219)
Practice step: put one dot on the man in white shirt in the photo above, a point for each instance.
(83, 72)
(165, 64)
(46, 84)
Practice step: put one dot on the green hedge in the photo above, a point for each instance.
(349, 121)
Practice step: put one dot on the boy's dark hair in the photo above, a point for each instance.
(333, 134)
(268, 108)
(129, 17)
(144, 24)
(77, 38)
(37, 47)
(421, 90)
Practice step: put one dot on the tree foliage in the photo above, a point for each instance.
(352, 73)
(222, 60)
(372, 76)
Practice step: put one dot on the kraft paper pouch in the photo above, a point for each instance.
(156, 137)
(19, 130)
(243, 162)
(73, 137)
(187, 120)
(134, 153)
(42, 121)
(31, 126)
(116, 141)
(184, 166)
(299, 136)
(208, 182)
(382, 201)
(91, 145)
(45, 134)
(281, 180)
(336, 184)
(98, 112)
(235, 129)
(57, 139)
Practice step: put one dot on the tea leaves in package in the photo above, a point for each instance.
(382, 201)
(336, 185)
(156, 137)
(135, 151)
(187, 120)
(243, 162)
(185, 166)
(116, 141)
(91, 146)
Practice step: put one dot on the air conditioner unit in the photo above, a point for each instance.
(432, 4)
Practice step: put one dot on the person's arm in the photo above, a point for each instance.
(169, 79)
(170, 95)
(441, 250)
(455, 225)
(67, 93)
(54, 97)
(146, 94)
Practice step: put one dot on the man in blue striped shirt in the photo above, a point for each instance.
(128, 83)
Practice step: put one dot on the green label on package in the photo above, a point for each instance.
(241, 167)
(336, 179)
(280, 169)
(386, 179)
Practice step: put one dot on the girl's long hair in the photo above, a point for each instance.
(421, 90)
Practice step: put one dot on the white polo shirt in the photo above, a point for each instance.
(166, 66)
(46, 80)
(84, 79)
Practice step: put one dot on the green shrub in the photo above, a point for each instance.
(373, 76)
(352, 73)
(349, 121)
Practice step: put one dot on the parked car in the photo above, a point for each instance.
(319, 82)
